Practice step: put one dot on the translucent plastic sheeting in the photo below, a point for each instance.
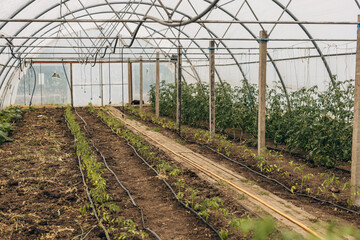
(298, 62)
(49, 87)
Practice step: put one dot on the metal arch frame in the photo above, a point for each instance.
(268, 55)
(109, 12)
(154, 31)
(275, 1)
(18, 11)
(183, 14)
(94, 6)
(310, 37)
(211, 34)
(142, 3)
(24, 26)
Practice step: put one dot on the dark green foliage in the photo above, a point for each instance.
(7, 116)
(319, 123)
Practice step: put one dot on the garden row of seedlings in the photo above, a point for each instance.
(226, 148)
(7, 117)
(104, 209)
(221, 145)
(194, 199)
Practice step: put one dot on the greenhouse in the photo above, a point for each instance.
(159, 119)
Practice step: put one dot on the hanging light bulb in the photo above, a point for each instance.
(55, 76)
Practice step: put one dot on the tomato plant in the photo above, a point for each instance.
(319, 123)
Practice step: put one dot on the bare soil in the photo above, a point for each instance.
(287, 175)
(163, 214)
(41, 190)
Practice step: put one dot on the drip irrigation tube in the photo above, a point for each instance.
(117, 179)
(168, 185)
(269, 178)
(87, 189)
(233, 185)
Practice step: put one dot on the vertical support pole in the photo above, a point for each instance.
(355, 165)
(262, 91)
(71, 85)
(102, 84)
(212, 87)
(141, 83)
(157, 87)
(130, 84)
(175, 71)
(41, 81)
(178, 92)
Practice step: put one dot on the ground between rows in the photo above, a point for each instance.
(162, 213)
(323, 211)
(41, 191)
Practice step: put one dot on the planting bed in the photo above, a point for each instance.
(163, 214)
(298, 176)
(41, 190)
(42, 195)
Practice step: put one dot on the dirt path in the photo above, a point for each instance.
(162, 213)
(41, 190)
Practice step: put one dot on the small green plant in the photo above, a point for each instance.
(180, 184)
(305, 179)
(224, 234)
(330, 180)
(156, 129)
(103, 204)
(260, 228)
(7, 117)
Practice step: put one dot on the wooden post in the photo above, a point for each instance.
(157, 88)
(262, 91)
(101, 84)
(178, 92)
(141, 83)
(71, 85)
(130, 85)
(212, 87)
(355, 165)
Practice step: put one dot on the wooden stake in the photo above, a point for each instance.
(212, 87)
(178, 93)
(141, 83)
(262, 91)
(130, 84)
(102, 84)
(157, 88)
(71, 85)
(355, 165)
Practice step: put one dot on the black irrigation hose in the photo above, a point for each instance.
(33, 92)
(269, 178)
(66, 76)
(303, 157)
(117, 179)
(168, 23)
(168, 185)
(264, 176)
(96, 55)
(87, 189)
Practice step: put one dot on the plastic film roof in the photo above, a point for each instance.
(299, 54)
